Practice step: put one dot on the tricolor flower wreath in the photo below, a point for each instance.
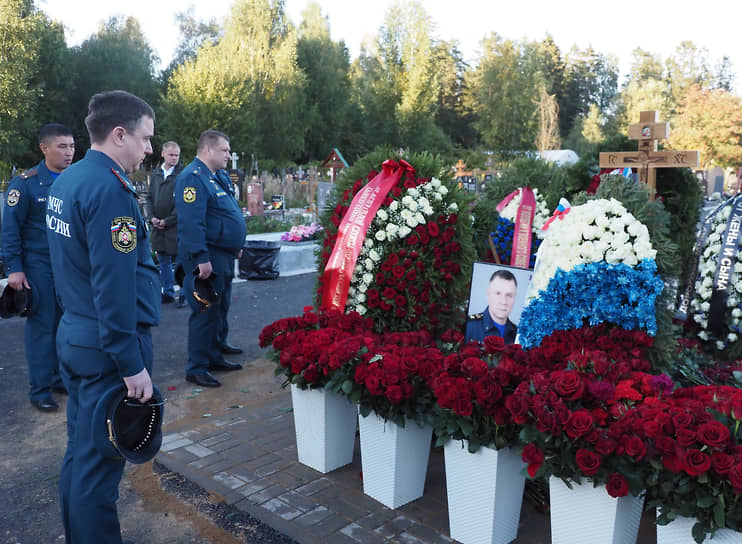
(502, 237)
(700, 305)
(596, 264)
(415, 261)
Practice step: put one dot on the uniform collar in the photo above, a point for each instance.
(487, 321)
(104, 160)
(43, 173)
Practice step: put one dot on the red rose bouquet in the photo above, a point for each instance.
(575, 410)
(697, 469)
(471, 390)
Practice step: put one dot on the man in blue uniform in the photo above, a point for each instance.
(211, 233)
(26, 256)
(109, 289)
(495, 318)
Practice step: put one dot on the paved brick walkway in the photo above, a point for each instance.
(248, 456)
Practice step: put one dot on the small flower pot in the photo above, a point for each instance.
(394, 459)
(325, 425)
(485, 491)
(679, 531)
(587, 514)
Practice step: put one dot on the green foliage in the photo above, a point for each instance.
(258, 224)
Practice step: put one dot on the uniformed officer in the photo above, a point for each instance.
(110, 296)
(26, 255)
(211, 234)
(495, 318)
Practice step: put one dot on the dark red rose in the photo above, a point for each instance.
(476, 368)
(635, 447)
(721, 462)
(398, 272)
(588, 461)
(568, 384)
(696, 462)
(493, 344)
(373, 384)
(665, 445)
(389, 293)
(714, 434)
(311, 373)
(682, 420)
(394, 394)
(463, 407)
(517, 405)
(617, 486)
(487, 391)
(735, 477)
(433, 229)
(413, 239)
(686, 437)
(579, 423)
(399, 300)
(411, 275)
(393, 259)
(605, 446)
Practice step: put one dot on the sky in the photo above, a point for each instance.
(610, 28)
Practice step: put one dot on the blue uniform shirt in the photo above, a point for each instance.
(24, 227)
(479, 326)
(105, 278)
(208, 215)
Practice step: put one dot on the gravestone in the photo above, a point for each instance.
(323, 194)
(255, 198)
(715, 181)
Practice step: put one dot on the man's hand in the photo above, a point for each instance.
(18, 280)
(204, 270)
(158, 223)
(139, 386)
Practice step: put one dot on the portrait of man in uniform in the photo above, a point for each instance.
(496, 300)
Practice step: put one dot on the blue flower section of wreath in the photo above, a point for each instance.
(502, 237)
(590, 294)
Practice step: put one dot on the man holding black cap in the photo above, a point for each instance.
(110, 295)
(211, 234)
(26, 256)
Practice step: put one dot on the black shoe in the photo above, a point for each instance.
(167, 299)
(59, 390)
(181, 303)
(204, 379)
(230, 349)
(46, 405)
(225, 365)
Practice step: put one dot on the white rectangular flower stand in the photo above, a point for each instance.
(588, 515)
(679, 531)
(485, 492)
(325, 425)
(394, 459)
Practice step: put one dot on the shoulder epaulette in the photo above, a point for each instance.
(125, 182)
(474, 317)
(29, 173)
(196, 171)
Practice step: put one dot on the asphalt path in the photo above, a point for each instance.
(154, 506)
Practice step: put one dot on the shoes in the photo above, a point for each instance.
(225, 365)
(46, 405)
(230, 349)
(204, 379)
(181, 302)
(167, 299)
(59, 390)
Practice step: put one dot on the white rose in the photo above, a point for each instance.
(423, 202)
(404, 231)
(443, 190)
(437, 197)
(731, 337)
(435, 182)
(719, 344)
(391, 230)
(705, 307)
(374, 255)
(413, 192)
(420, 218)
(411, 222)
(380, 235)
(452, 207)
(394, 206)
(368, 242)
(381, 214)
(362, 287)
(369, 264)
(367, 278)
(361, 309)
(360, 297)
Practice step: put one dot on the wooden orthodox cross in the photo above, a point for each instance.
(647, 159)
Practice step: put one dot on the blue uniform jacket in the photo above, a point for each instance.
(478, 326)
(105, 278)
(24, 227)
(209, 217)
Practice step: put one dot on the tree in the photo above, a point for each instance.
(453, 115)
(193, 34)
(117, 56)
(548, 121)
(18, 72)
(326, 65)
(709, 120)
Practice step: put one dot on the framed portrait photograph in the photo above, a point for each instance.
(496, 300)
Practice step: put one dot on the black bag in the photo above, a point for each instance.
(259, 260)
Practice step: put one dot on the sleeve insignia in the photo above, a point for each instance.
(14, 196)
(124, 234)
(189, 195)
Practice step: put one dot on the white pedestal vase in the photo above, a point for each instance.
(485, 492)
(679, 531)
(394, 459)
(587, 514)
(325, 425)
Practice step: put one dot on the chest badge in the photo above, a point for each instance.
(124, 234)
(189, 195)
(14, 196)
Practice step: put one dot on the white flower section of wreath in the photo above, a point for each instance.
(701, 302)
(601, 230)
(396, 222)
(541, 215)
